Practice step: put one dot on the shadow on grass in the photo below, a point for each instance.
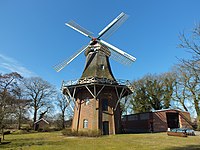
(188, 147)
(2, 143)
(16, 143)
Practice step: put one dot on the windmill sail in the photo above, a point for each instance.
(77, 27)
(62, 65)
(113, 26)
(118, 54)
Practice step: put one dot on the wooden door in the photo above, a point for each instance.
(105, 128)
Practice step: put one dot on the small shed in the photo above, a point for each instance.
(157, 121)
(41, 124)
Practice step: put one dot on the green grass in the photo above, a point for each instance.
(56, 141)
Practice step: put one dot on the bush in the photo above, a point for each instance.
(69, 132)
(19, 132)
(26, 127)
(88, 133)
(94, 133)
(48, 129)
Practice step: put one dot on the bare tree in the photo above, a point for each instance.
(62, 104)
(180, 95)
(40, 92)
(21, 105)
(191, 42)
(192, 85)
(7, 83)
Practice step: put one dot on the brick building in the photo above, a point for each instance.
(41, 124)
(96, 94)
(157, 121)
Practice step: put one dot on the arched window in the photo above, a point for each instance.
(87, 101)
(85, 123)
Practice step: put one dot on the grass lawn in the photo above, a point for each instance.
(56, 141)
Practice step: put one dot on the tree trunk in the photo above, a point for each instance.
(185, 108)
(3, 134)
(19, 120)
(19, 124)
(63, 120)
(34, 119)
(196, 105)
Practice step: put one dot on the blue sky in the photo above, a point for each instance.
(33, 35)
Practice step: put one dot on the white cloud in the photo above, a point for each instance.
(8, 64)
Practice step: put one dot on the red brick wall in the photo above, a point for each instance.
(157, 120)
(93, 111)
(137, 122)
(43, 125)
(83, 111)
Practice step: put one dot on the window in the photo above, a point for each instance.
(87, 101)
(85, 123)
(105, 105)
(102, 66)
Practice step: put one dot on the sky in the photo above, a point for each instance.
(34, 37)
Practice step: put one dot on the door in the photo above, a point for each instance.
(105, 128)
(172, 120)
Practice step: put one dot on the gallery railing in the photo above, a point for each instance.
(90, 80)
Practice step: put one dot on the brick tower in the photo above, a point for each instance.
(96, 94)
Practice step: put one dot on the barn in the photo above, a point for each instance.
(157, 121)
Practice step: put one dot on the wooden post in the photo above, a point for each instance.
(79, 113)
(113, 121)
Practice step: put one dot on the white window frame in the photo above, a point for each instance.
(87, 101)
(85, 123)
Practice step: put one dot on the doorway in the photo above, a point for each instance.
(172, 120)
(105, 128)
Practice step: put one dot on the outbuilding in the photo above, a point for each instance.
(41, 124)
(157, 121)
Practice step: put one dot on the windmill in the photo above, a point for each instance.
(116, 53)
(96, 95)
